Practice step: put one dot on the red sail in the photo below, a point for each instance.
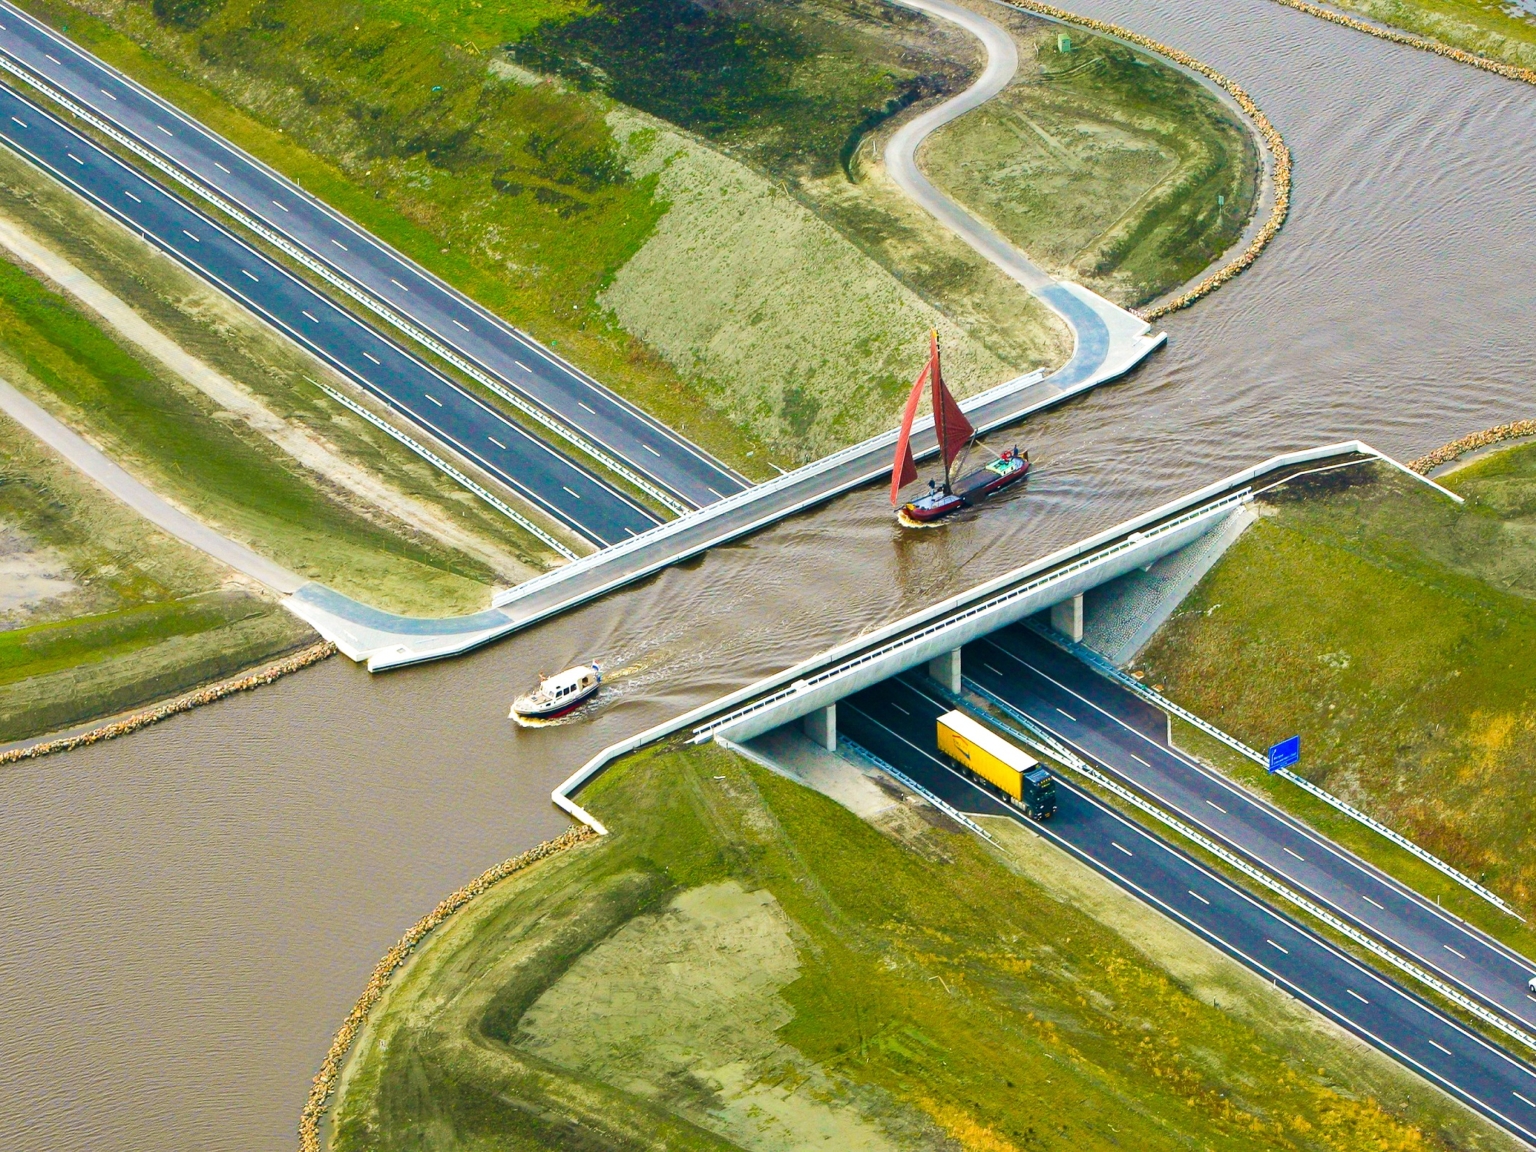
(954, 430)
(904, 468)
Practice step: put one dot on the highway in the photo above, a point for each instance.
(546, 478)
(895, 722)
(1110, 727)
(405, 293)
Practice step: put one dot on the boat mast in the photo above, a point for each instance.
(953, 429)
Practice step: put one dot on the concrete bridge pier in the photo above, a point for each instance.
(946, 670)
(1067, 618)
(821, 726)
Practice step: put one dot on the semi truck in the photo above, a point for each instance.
(988, 758)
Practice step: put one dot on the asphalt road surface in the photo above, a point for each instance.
(895, 722)
(526, 367)
(551, 482)
(1110, 727)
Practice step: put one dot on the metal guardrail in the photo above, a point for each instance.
(341, 284)
(906, 781)
(1070, 759)
(1132, 540)
(448, 469)
(1100, 664)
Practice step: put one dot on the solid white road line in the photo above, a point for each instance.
(433, 398)
(1140, 761)
(1357, 996)
(1068, 715)
(591, 410)
(307, 316)
(497, 442)
(573, 493)
(245, 273)
(1122, 848)
(1303, 859)
(1217, 806)
(1272, 944)
(374, 358)
(1197, 896)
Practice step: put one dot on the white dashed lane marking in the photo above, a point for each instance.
(1197, 896)
(1217, 806)
(1368, 900)
(338, 244)
(460, 325)
(374, 358)
(1357, 996)
(243, 272)
(1272, 944)
(194, 239)
(433, 398)
(1122, 848)
(1303, 859)
(310, 318)
(1453, 951)
(591, 410)
(1068, 715)
(222, 169)
(132, 197)
(572, 492)
(1140, 761)
(1442, 1048)
(497, 442)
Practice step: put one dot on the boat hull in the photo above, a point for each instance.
(969, 489)
(531, 710)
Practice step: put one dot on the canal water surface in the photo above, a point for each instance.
(189, 912)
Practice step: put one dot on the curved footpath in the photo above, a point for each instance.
(1108, 341)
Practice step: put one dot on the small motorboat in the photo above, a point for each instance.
(559, 694)
(955, 435)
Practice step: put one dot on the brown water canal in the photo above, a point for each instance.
(189, 912)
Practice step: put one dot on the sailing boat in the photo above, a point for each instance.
(955, 435)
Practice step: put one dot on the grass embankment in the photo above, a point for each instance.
(99, 611)
(1104, 164)
(1393, 631)
(176, 440)
(1502, 30)
(745, 964)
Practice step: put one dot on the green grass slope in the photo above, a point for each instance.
(745, 964)
(128, 615)
(1393, 630)
(234, 480)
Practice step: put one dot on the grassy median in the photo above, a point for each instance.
(745, 964)
(1393, 630)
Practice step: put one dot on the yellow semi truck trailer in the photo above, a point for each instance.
(988, 757)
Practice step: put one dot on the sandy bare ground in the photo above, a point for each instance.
(308, 449)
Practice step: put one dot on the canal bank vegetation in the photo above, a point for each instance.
(740, 270)
(101, 612)
(1392, 629)
(1105, 164)
(1499, 30)
(743, 963)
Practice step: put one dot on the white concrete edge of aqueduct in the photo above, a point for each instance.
(786, 701)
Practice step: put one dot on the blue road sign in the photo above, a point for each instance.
(1285, 753)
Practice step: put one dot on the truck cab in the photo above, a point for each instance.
(1038, 796)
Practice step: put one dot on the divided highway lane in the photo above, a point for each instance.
(402, 286)
(1110, 727)
(600, 513)
(895, 721)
